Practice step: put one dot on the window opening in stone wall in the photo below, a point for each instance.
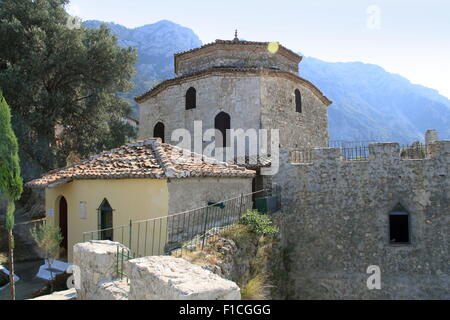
(223, 124)
(298, 101)
(399, 227)
(191, 99)
(159, 131)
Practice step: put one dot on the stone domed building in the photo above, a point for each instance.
(237, 85)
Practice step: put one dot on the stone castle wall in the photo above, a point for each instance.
(336, 224)
(308, 129)
(237, 95)
(252, 100)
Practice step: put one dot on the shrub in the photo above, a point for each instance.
(258, 223)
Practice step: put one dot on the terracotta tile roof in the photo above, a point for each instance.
(253, 162)
(149, 159)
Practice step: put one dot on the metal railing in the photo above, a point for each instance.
(359, 151)
(349, 144)
(123, 255)
(185, 230)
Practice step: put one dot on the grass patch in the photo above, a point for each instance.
(239, 233)
(208, 256)
(255, 289)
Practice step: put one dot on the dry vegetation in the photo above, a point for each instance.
(253, 246)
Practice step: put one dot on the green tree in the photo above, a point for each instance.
(61, 83)
(11, 183)
(48, 239)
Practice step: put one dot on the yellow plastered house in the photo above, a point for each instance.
(142, 180)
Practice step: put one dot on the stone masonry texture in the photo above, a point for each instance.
(169, 278)
(336, 224)
(97, 261)
(253, 101)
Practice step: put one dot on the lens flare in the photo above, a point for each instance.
(273, 47)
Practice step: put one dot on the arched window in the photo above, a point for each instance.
(222, 123)
(159, 131)
(191, 99)
(105, 221)
(399, 226)
(298, 101)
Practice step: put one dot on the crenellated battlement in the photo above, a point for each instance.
(372, 152)
(339, 203)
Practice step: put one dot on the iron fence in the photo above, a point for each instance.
(359, 151)
(301, 156)
(349, 144)
(185, 230)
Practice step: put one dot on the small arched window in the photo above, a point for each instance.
(191, 99)
(159, 131)
(298, 101)
(105, 220)
(222, 123)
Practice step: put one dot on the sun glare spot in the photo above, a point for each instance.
(273, 47)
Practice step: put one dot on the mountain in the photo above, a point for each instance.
(369, 102)
(372, 104)
(155, 43)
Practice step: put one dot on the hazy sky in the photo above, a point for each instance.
(411, 38)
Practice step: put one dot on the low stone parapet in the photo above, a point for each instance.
(97, 262)
(70, 294)
(169, 278)
(151, 278)
(113, 290)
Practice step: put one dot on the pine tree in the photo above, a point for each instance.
(11, 182)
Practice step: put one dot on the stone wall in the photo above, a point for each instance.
(97, 263)
(238, 59)
(169, 278)
(337, 224)
(150, 278)
(254, 100)
(237, 95)
(190, 194)
(308, 129)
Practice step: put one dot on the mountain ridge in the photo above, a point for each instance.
(369, 103)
